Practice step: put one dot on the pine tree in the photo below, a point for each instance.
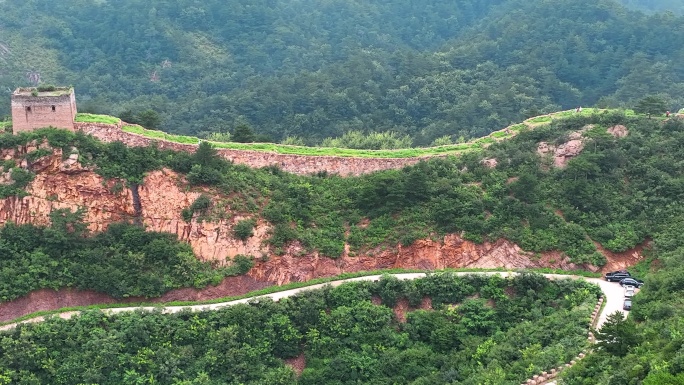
(243, 134)
(617, 334)
(651, 105)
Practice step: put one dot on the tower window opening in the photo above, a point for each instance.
(28, 109)
(53, 108)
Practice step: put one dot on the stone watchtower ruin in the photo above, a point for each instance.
(34, 108)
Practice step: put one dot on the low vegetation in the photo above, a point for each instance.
(481, 329)
(351, 143)
(648, 347)
(93, 118)
(124, 261)
(5, 126)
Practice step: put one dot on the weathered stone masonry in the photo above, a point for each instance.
(296, 164)
(32, 109)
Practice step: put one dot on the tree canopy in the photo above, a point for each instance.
(339, 335)
(311, 69)
(651, 105)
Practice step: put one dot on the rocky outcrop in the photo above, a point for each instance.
(618, 131)
(562, 153)
(66, 185)
(490, 163)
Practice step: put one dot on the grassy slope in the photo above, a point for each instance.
(93, 118)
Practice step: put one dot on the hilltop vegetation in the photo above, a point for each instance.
(312, 69)
(482, 330)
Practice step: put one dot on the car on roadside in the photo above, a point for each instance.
(632, 282)
(627, 305)
(616, 276)
(630, 291)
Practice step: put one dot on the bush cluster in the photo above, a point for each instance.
(124, 261)
(479, 335)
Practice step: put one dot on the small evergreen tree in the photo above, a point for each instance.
(148, 119)
(243, 134)
(617, 335)
(651, 105)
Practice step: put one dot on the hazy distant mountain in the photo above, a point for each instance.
(676, 6)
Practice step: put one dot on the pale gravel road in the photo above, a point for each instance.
(613, 296)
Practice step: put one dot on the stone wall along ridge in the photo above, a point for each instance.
(296, 164)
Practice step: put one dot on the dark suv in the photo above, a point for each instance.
(632, 281)
(616, 276)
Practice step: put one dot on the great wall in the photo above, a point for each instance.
(296, 164)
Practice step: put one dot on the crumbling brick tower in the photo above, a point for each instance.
(33, 109)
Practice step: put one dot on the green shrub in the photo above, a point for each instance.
(37, 154)
(244, 229)
(281, 234)
(241, 264)
(201, 204)
(46, 88)
(187, 214)
(124, 261)
(8, 165)
(21, 177)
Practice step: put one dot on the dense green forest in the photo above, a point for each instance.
(483, 330)
(318, 69)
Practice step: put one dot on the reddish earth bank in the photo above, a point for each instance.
(450, 252)
(279, 270)
(47, 299)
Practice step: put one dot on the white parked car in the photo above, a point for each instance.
(629, 291)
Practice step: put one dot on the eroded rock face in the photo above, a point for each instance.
(65, 184)
(490, 163)
(451, 252)
(563, 153)
(618, 131)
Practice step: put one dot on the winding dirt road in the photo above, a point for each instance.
(613, 293)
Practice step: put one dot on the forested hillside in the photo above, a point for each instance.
(675, 6)
(475, 330)
(317, 69)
